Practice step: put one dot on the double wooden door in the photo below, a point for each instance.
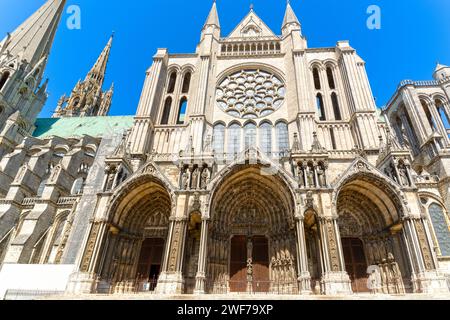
(355, 263)
(150, 259)
(244, 248)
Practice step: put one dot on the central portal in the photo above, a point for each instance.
(249, 264)
(252, 240)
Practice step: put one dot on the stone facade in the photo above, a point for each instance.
(255, 164)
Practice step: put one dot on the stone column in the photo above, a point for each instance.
(427, 279)
(335, 280)
(86, 279)
(171, 279)
(304, 277)
(200, 278)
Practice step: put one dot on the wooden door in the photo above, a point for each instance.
(150, 259)
(261, 274)
(355, 263)
(238, 264)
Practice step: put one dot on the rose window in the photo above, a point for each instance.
(250, 94)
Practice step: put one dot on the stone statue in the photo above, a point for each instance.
(403, 175)
(397, 279)
(205, 179)
(110, 181)
(310, 176)
(321, 176)
(194, 179)
(374, 279)
(185, 180)
(301, 176)
(405, 139)
(392, 172)
(384, 276)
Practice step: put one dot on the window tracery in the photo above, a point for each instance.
(250, 94)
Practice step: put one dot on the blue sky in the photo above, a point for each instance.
(414, 35)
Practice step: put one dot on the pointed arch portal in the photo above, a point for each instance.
(371, 233)
(252, 246)
(137, 237)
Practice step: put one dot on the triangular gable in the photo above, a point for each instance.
(252, 26)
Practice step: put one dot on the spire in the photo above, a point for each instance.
(442, 72)
(99, 69)
(440, 66)
(290, 17)
(213, 18)
(33, 39)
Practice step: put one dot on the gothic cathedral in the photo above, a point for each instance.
(254, 165)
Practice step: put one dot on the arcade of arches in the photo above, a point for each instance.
(256, 237)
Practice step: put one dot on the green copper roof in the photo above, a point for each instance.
(80, 126)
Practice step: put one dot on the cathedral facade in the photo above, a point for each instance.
(254, 165)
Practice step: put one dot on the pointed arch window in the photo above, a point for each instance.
(316, 76)
(172, 82)
(182, 111)
(429, 115)
(219, 139)
(336, 109)
(330, 77)
(3, 79)
(166, 111)
(265, 137)
(56, 241)
(282, 136)
(78, 186)
(234, 139)
(320, 107)
(443, 114)
(410, 131)
(441, 228)
(186, 83)
(250, 135)
(41, 188)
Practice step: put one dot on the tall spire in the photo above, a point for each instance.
(213, 18)
(33, 39)
(290, 16)
(290, 22)
(99, 69)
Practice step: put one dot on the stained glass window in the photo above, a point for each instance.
(441, 228)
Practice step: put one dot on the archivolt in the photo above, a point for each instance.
(143, 198)
(246, 187)
(373, 204)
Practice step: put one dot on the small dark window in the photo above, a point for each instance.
(320, 107)
(186, 82)
(331, 78)
(316, 79)
(3, 79)
(182, 111)
(336, 109)
(166, 111)
(172, 81)
(333, 139)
